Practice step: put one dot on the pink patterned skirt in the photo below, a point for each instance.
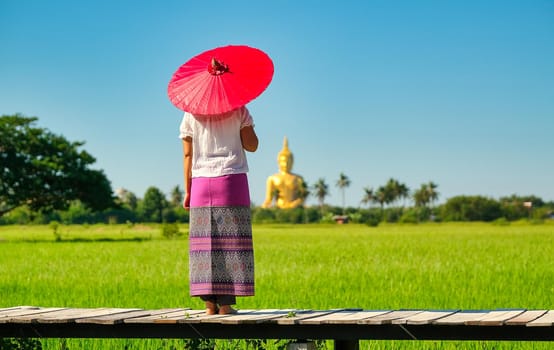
(221, 255)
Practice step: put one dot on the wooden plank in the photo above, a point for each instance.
(271, 319)
(230, 318)
(16, 310)
(180, 316)
(9, 309)
(358, 316)
(259, 316)
(546, 320)
(388, 317)
(323, 319)
(333, 315)
(526, 317)
(495, 318)
(425, 317)
(198, 316)
(120, 317)
(29, 315)
(71, 315)
(168, 313)
(299, 316)
(61, 315)
(460, 318)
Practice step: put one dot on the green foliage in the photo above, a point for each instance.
(410, 216)
(501, 222)
(171, 230)
(20, 344)
(320, 190)
(277, 344)
(18, 216)
(312, 214)
(77, 213)
(425, 195)
(54, 225)
(415, 215)
(263, 215)
(45, 171)
(48, 178)
(342, 183)
(470, 208)
(151, 209)
(328, 218)
(372, 222)
(199, 344)
(293, 216)
(392, 215)
(370, 217)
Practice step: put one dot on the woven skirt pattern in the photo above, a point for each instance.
(221, 255)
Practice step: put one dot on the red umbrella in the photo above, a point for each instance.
(220, 80)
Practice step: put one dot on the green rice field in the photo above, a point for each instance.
(430, 266)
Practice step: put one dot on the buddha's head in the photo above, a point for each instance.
(285, 158)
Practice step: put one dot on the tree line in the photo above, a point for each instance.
(46, 178)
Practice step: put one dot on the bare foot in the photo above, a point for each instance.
(226, 310)
(211, 308)
(210, 312)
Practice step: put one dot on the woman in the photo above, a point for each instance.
(221, 256)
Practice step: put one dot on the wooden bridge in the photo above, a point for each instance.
(345, 326)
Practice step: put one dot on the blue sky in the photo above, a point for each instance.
(460, 93)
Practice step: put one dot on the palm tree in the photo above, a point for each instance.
(303, 191)
(420, 196)
(381, 197)
(342, 183)
(402, 192)
(321, 190)
(369, 196)
(396, 191)
(433, 194)
(426, 194)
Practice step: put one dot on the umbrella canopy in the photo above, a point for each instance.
(220, 80)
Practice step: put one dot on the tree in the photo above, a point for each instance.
(342, 183)
(46, 171)
(394, 191)
(369, 196)
(381, 197)
(303, 191)
(517, 207)
(127, 198)
(153, 205)
(402, 191)
(176, 196)
(321, 190)
(425, 195)
(471, 208)
(433, 194)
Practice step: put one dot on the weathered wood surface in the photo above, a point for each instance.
(340, 324)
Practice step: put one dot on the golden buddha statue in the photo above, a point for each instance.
(287, 189)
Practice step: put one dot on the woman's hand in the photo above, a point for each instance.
(186, 202)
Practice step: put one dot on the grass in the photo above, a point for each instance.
(432, 266)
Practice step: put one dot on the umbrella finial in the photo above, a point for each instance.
(217, 67)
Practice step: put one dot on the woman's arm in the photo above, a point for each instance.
(187, 169)
(249, 138)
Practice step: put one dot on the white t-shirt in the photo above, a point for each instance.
(216, 145)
